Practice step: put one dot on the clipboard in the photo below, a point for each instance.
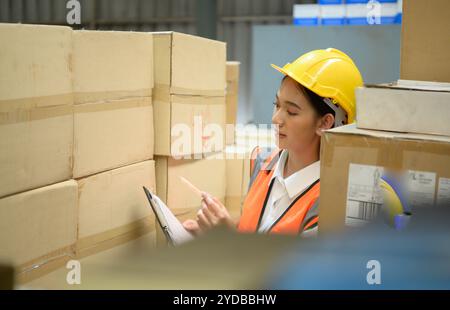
(173, 230)
(159, 216)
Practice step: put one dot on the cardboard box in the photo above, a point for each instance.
(38, 226)
(238, 177)
(189, 94)
(186, 125)
(352, 161)
(232, 96)
(35, 65)
(189, 65)
(207, 174)
(111, 65)
(424, 43)
(112, 134)
(406, 106)
(113, 204)
(36, 121)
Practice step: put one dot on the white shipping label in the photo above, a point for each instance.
(364, 196)
(443, 195)
(421, 188)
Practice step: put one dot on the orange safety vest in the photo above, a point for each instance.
(296, 219)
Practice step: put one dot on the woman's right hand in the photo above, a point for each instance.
(212, 214)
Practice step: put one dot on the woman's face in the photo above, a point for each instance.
(296, 119)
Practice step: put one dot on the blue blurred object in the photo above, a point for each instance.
(401, 221)
(358, 11)
(395, 204)
(330, 2)
(333, 21)
(365, 1)
(306, 21)
(356, 1)
(415, 258)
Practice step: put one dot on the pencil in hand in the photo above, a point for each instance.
(192, 187)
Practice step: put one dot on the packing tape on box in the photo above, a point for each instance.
(162, 92)
(7, 105)
(110, 238)
(31, 109)
(25, 110)
(44, 264)
(336, 144)
(392, 155)
(89, 97)
(113, 105)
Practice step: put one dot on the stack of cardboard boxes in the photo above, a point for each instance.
(38, 199)
(113, 135)
(82, 114)
(402, 130)
(76, 143)
(189, 107)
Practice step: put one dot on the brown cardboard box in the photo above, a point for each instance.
(36, 121)
(111, 65)
(189, 65)
(406, 106)
(207, 174)
(425, 41)
(112, 134)
(232, 96)
(197, 121)
(189, 89)
(113, 204)
(238, 177)
(38, 226)
(352, 160)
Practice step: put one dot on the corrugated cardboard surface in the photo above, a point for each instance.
(112, 134)
(174, 113)
(111, 65)
(189, 65)
(208, 174)
(404, 110)
(36, 152)
(111, 200)
(36, 124)
(238, 177)
(37, 223)
(425, 41)
(347, 144)
(232, 96)
(31, 57)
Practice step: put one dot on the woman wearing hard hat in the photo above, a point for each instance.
(317, 92)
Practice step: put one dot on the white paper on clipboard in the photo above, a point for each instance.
(169, 223)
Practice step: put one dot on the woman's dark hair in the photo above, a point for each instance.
(316, 101)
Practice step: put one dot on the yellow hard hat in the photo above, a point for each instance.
(329, 73)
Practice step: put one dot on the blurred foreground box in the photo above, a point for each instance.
(353, 160)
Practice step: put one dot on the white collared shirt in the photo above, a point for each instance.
(285, 190)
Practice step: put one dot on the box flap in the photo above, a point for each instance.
(414, 85)
(351, 129)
